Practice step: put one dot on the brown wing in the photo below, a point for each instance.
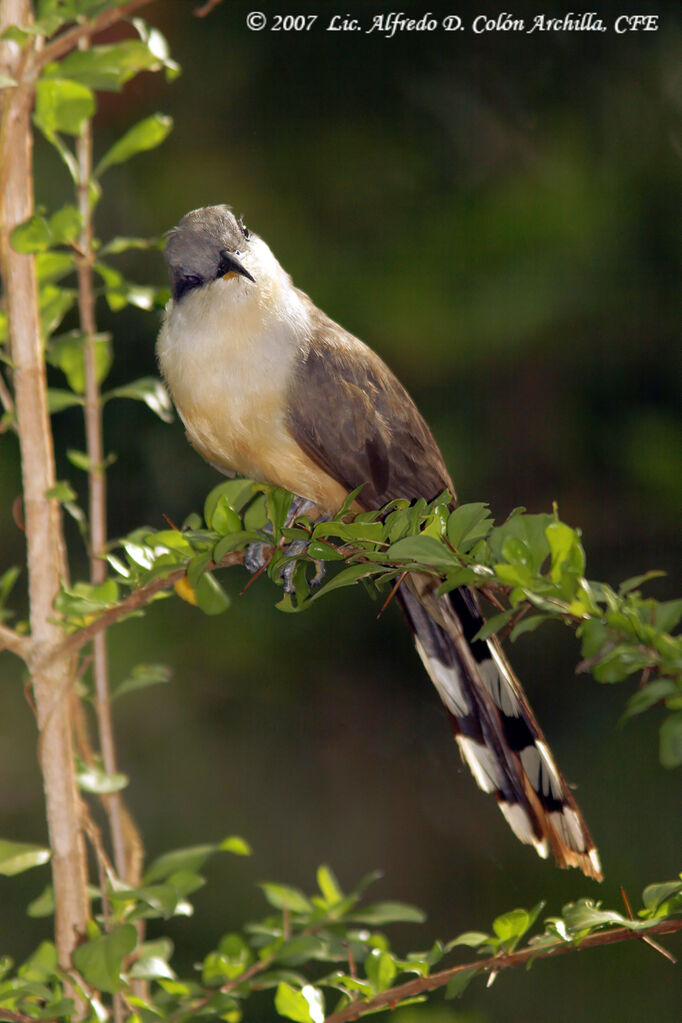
(353, 417)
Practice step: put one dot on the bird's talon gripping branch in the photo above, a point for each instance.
(256, 556)
(294, 550)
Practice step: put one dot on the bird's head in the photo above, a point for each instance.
(211, 244)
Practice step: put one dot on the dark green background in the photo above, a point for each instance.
(497, 215)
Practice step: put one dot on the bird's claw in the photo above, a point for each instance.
(296, 548)
(258, 553)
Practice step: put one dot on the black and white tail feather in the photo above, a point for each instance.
(495, 728)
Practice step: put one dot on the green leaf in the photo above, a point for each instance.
(54, 305)
(320, 550)
(585, 915)
(146, 134)
(7, 581)
(635, 581)
(658, 898)
(101, 961)
(389, 913)
(151, 391)
(494, 624)
(237, 493)
(522, 541)
(425, 550)
(671, 740)
(65, 225)
(224, 519)
(235, 844)
(472, 939)
(192, 858)
(108, 66)
(92, 778)
(458, 984)
(566, 551)
(63, 105)
(301, 949)
(467, 525)
(33, 235)
(328, 885)
(51, 266)
(381, 969)
(80, 459)
(509, 927)
(346, 577)
(123, 244)
(15, 857)
(148, 966)
(283, 896)
(62, 491)
(668, 614)
(304, 1006)
(119, 293)
(350, 531)
(649, 696)
(527, 624)
(142, 676)
(67, 353)
(210, 595)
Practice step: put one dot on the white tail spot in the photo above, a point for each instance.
(482, 762)
(520, 823)
(446, 681)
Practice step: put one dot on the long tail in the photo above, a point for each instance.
(495, 729)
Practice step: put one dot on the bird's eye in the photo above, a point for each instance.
(244, 229)
(185, 283)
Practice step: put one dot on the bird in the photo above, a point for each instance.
(271, 388)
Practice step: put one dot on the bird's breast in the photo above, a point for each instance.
(229, 376)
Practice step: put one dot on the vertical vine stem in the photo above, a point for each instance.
(44, 535)
(97, 496)
(125, 840)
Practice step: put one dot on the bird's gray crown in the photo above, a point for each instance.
(196, 247)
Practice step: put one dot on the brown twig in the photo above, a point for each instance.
(11, 640)
(18, 1017)
(256, 575)
(97, 485)
(138, 598)
(493, 964)
(205, 9)
(394, 590)
(654, 944)
(69, 39)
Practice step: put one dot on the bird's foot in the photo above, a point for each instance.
(259, 553)
(293, 551)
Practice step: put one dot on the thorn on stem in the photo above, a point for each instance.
(18, 513)
(394, 590)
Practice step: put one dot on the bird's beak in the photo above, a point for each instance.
(231, 267)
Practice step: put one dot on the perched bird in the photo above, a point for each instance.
(270, 387)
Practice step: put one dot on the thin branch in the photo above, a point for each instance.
(97, 483)
(19, 1017)
(6, 399)
(137, 599)
(11, 640)
(69, 39)
(419, 986)
(205, 9)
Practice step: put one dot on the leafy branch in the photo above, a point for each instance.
(286, 951)
(531, 566)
